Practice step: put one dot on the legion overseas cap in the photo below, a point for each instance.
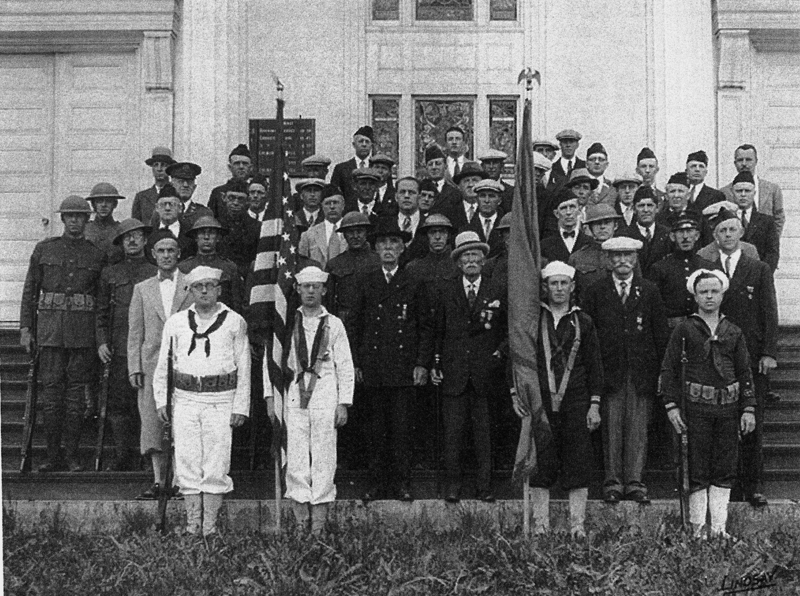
(206, 221)
(104, 190)
(600, 212)
(310, 275)
(564, 196)
(306, 182)
(644, 192)
(720, 212)
(168, 191)
(541, 162)
(203, 273)
(679, 178)
(645, 153)
(698, 156)
(354, 219)
(505, 223)
(184, 170)
(316, 161)
(558, 268)
(492, 155)
(364, 131)
(569, 133)
(371, 173)
(161, 154)
(692, 279)
(582, 175)
(433, 152)
(596, 148)
(622, 244)
(467, 241)
(470, 168)
(129, 225)
(381, 158)
(74, 204)
(744, 176)
(159, 235)
(545, 143)
(240, 149)
(437, 220)
(488, 184)
(631, 177)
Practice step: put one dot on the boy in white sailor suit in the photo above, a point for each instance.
(317, 400)
(211, 358)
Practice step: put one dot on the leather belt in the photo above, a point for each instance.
(60, 301)
(206, 384)
(706, 394)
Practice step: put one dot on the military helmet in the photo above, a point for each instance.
(74, 204)
(129, 225)
(104, 190)
(206, 221)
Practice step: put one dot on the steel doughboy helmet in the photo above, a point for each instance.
(129, 225)
(104, 190)
(74, 204)
(206, 221)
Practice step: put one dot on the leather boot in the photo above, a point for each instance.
(698, 506)
(301, 514)
(540, 510)
(577, 512)
(718, 499)
(194, 513)
(211, 507)
(319, 515)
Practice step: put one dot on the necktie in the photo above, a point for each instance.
(365, 210)
(566, 234)
(471, 212)
(456, 169)
(389, 276)
(471, 295)
(569, 168)
(487, 227)
(728, 266)
(694, 192)
(407, 224)
(744, 219)
(647, 235)
(623, 293)
(362, 165)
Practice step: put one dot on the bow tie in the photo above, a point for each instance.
(568, 234)
(164, 276)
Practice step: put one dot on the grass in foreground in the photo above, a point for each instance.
(359, 559)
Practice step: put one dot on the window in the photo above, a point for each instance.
(385, 10)
(444, 10)
(433, 116)
(503, 127)
(503, 10)
(386, 126)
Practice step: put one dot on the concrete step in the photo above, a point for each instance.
(783, 431)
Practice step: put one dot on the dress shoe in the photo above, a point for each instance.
(405, 494)
(638, 496)
(151, 494)
(486, 496)
(758, 500)
(75, 466)
(772, 397)
(51, 467)
(613, 497)
(452, 495)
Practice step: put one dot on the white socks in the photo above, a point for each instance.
(577, 511)
(718, 507)
(540, 509)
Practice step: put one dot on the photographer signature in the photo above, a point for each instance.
(750, 581)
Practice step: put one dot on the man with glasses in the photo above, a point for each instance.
(240, 165)
(597, 164)
(183, 176)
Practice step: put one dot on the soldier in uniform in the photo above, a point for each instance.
(240, 244)
(144, 203)
(590, 261)
(211, 358)
(60, 292)
(183, 176)
(114, 300)
(571, 381)
(468, 332)
(629, 316)
(207, 233)
(240, 164)
(385, 328)
(719, 399)
(103, 228)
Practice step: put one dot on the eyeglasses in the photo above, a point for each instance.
(182, 181)
(207, 286)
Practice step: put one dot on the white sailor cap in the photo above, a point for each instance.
(558, 268)
(203, 273)
(622, 244)
(311, 274)
(692, 279)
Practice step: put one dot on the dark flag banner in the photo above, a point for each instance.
(524, 307)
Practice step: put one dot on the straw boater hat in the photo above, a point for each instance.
(558, 268)
(690, 281)
(468, 240)
(311, 274)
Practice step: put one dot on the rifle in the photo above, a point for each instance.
(31, 398)
(103, 405)
(683, 464)
(165, 492)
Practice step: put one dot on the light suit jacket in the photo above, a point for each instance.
(315, 246)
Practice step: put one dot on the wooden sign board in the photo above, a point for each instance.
(299, 141)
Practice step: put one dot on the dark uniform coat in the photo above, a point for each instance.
(554, 249)
(232, 284)
(216, 202)
(658, 247)
(670, 275)
(342, 176)
(591, 264)
(706, 197)
(633, 335)
(240, 244)
(63, 278)
(345, 271)
(102, 234)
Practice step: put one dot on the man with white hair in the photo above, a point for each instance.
(571, 380)
(211, 360)
(719, 400)
(317, 400)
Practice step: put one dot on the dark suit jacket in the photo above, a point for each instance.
(633, 336)
(652, 252)
(465, 345)
(707, 196)
(302, 223)
(507, 198)
(554, 249)
(495, 240)
(342, 176)
(750, 302)
(384, 328)
(762, 233)
(458, 216)
(558, 177)
(144, 204)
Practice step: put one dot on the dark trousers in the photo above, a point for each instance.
(751, 449)
(390, 434)
(122, 409)
(65, 373)
(569, 454)
(455, 410)
(713, 446)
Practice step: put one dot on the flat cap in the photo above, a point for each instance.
(492, 155)
(581, 175)
(306, 182)
(468, 240)
(488, 184)
(371, 173)
(545, 143)
(631, 177)
(692, 279)
(161, 154)
(381, 158)
(129, 225)
(698, 156)
(104, 190)
(310, 275)
(203, 273)
(540, 162)
(184, 170)
(600, 212)
(622, 244)
(470, 168)
(316, 160)
(558, 268)
(569, 133)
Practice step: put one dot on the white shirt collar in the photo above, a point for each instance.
(618, 283)
(174, 227)
(471, 284)
(643, 229)
(254, 215)
(735, 256)
(393, 271)
(369, 205)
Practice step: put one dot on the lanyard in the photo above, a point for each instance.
(309, 365)
(558, 395)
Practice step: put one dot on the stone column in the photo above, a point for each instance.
(158, 98)
(734, 108)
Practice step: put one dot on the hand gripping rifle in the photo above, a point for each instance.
(683, 464)
(165, 490)
(31, 396)
(103, 405)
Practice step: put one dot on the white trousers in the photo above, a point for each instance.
(310, 455)
(202, 434)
